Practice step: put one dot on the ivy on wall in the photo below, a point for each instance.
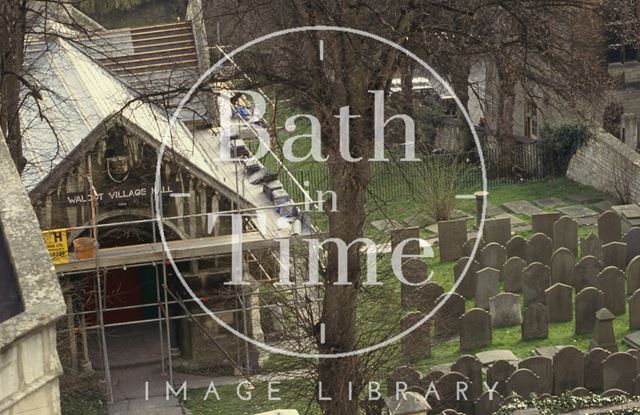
(564, 139)
(567, 403)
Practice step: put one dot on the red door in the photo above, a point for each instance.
(123, 289)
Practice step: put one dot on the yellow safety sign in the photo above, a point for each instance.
(56, 242)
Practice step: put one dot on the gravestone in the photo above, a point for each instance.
(428, 380)
(417, 344)
(543, 368)
(565, 234)
(505, 310)
(403, 234)
(522, 207)
(634, 311)
(523, 382)
(415, 271)
(475, 330)
(512, 274)
(452, 234)
(410, 402)
(593, 368)
(548, 203)
(591, 245)
(612, 284)
(563, 264)
(447, 317)
(633, 275)
(636, 386)
(586, 272)
(467, 286)
(535, 280)
(543, 222)
(609, 227)
(448, 387)
(632, 239)
(580, 392)
(517, 247)
(497, 230)
(404, 374)
(488, 403)
(613, 255)
(588, 302)
(535, 324)
(613, 392)
(577, 211)
(493, 256)
(426, 295)
(618, 372)
(568, 370)
(468, 247)
(539, 249)
(603, 335)
(470, 367)
(498, 373)
(559, 303)
(488, 285)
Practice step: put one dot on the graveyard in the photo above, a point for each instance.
(549, 306)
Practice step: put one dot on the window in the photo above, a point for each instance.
(531, 120)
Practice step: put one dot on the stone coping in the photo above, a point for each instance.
(37, 281)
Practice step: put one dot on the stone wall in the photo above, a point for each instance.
(29, 364)
(608, 165)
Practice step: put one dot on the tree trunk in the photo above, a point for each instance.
(460, 86)
(504, 123)
(12, 28)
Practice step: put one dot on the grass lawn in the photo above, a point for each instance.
(298, 394)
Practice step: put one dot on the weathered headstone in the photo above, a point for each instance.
(523, 382)
(633, 275)
(618, 372)
(591, 245)
(568, 370)
(488, 285)
(539, 249)
(613, 255)
(447, 317)
(522, 207)
(543, 368)
(632, 239)
(577, 212)
(497, 230)
(543, 223)
(415, 271)
(512, 274)
(410, 402)
(412, 247)
(548, 203)
(467, 247)
(452, 234)
(426, 295)
(593, 368)
(612, 284)
(427, 381)
(586, 272)
(448, 387)
(417, 344)
(517, 247)
(498, 373)
(565, 234)
(588, 302)
(475, 330)
(563, 264)
(613, 392)
(505, 310)
(493, 256)
(405, 374)
(467, 286)
(634, 311)
(609, 227)
(488, 403)
(470, 367)
(535, 280)
(580, 392)
(559, 303)
(603, 335)
(535, 324)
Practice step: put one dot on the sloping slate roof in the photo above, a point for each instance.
(82, 94)
(152, 59)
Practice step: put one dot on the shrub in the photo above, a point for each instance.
(563, 139)
(442, 179)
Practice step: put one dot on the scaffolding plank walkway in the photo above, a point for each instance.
(153, 252)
